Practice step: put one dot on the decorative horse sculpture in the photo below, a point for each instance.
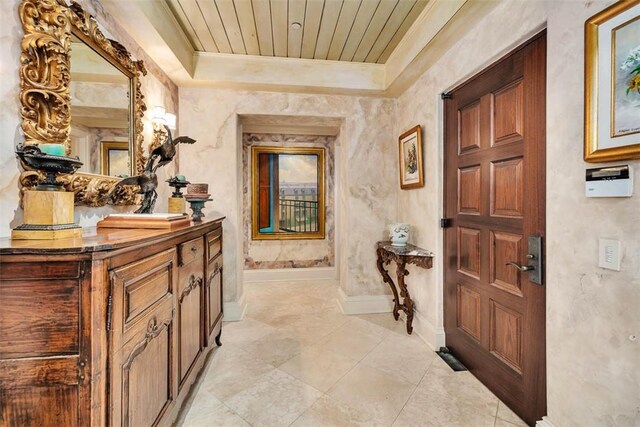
(148, 180)
(167, 150)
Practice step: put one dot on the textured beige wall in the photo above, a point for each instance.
(156, 87)
(593, 366)
(365, 156)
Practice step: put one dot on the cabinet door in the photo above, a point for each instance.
(143, 370)
(190, 313)
(43, 365)
(190, 321)
(213, 298)
(143, 373)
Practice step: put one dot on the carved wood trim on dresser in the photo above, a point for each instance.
(111, 329)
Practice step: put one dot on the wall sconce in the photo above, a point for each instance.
(160, 118)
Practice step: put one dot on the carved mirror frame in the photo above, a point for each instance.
(45, 79)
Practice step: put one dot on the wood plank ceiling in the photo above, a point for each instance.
(339, 30)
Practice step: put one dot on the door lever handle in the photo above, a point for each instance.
(521, 267)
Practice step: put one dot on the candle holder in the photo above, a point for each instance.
(196, 205)
(49, 210)
(177, 185)
(50, 165)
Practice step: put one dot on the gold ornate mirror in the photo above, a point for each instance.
(80, 89)
(287, 194)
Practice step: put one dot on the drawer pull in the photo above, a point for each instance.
(193, 283)
(194, 249)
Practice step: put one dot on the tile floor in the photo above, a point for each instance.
(297, 361)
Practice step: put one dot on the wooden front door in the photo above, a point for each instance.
(495, 198)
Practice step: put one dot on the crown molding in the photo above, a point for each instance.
(429, 23)
(158, 33)
(294, 72)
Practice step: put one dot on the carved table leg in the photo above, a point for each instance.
(407, 302)
(218, 338)
(387, 279)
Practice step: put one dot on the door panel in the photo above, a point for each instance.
(469, 125)
(469, 190)
(469, 251)
(505, 247)
(190, 318)
(190, 305)
(508, 114)
(506, 335)
(213, 289)
(143, 372)
(506, 187)
(143, 340)
(494, 194)
(214, 297)
(469, 311)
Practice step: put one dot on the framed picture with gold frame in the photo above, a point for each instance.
(114, 157)
(612, 83)
(410, 158)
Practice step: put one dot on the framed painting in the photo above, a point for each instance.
(612, 83)
(114, 157)
(410, 158)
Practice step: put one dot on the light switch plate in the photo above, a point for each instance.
(609, 254)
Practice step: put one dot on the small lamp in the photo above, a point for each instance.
(158, 115)
(170, 120)
(160, 118)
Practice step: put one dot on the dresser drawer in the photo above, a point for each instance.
(190, 251)
(39, 318)
(214, 242)
(40, 270)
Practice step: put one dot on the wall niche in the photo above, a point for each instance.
(277, 254)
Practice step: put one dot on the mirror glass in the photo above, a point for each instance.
(288, 193)
(100, 113)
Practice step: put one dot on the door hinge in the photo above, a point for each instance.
(445, 222)
(445, 95)
(81, 364)
(109, 307)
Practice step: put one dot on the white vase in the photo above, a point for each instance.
(399, 234)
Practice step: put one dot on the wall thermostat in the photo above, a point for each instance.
(610, 181)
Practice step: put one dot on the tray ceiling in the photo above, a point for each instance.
(340, 30)
(358, 47)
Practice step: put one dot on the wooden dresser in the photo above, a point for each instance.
(111, 329)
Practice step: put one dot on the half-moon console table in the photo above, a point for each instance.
(110, 329)
(401, 255)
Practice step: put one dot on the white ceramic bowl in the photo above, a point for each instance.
(399, 234)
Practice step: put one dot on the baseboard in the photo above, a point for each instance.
(364, 304)
(545, 422)
(431, 334)
(235, 310)
(289, 274)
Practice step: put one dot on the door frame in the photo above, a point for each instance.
(440, 333)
